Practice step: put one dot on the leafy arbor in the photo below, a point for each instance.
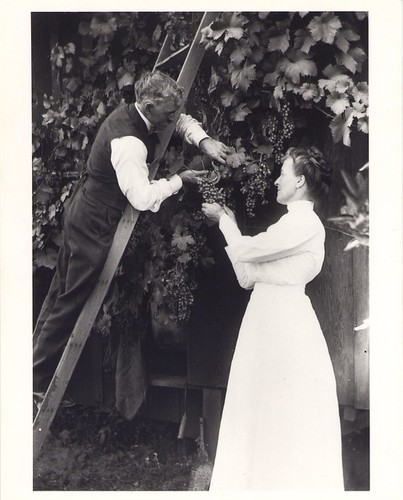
(262, 74)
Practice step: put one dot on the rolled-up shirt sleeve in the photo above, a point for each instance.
(128, 158)
(190, 130)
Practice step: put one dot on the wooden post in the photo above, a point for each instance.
(212, 407)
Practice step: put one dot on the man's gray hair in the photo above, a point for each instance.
(156, 87)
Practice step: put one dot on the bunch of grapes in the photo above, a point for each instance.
(256, 187)
(288, 124)
(210, 192)
(279, 130)
(179, 292)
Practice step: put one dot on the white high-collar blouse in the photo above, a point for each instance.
(290, 252)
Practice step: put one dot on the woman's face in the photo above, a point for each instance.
(288, 183)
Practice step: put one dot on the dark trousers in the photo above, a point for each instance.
(89, 227)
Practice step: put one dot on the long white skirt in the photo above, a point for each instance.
(280, 428)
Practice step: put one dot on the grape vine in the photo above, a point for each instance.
(261, 72)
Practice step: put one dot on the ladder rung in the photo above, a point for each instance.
(176, 57)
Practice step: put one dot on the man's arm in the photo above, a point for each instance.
(191, 131)
(128, 158)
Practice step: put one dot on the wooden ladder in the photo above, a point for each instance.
(82, 328)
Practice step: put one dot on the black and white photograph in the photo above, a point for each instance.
(199, 312)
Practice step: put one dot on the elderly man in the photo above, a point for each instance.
(116, 172)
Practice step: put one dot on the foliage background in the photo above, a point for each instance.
(264, 79)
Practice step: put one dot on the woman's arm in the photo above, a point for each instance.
(216, 213)
(288, 236)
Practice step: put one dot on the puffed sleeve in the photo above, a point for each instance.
(289, 236)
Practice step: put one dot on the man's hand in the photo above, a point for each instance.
(213, 211)
(216, 150)
(192, 176)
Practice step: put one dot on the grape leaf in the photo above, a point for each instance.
(99, 27)
(258, 54)
(337, 102)
(233, 32)
(335, 75)
(252, 168)
(125, 79)
(241, 51)
(184, 258)
(235, 159)
(340, 127)
(101, 109)
(347, 60)
(266, 149)
(344, 37)
(70, 48)
(242, 77)
(303, 41)
(309, 91)
(57, 56)
(358, 54)
(361, 15)
(228, 98)
(351, 59)
(325, 27)
(278, 92)
(271, 78)
(84, 28)
(280, 42)
(214, 80)
(219, 47)
(299, 66)
(253, 30)
(238, 19)
(360, 93)
(360, 108)
(238, 114)
(362, 124)
(101, 48)
(156, 36)
(44, 194)
(182, 242)
(46, 259)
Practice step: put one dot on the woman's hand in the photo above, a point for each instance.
(213, 211)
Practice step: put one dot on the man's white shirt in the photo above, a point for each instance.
(129, 159)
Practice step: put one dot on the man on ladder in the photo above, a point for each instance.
(116, 172)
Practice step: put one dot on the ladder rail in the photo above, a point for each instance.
(82, 328)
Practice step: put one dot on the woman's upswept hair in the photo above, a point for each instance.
(310, 162)
(156, 87)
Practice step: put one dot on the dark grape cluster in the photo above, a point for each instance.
(180, 293)
(256, 187)
(211, 193)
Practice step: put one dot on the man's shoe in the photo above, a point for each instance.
(40, 396)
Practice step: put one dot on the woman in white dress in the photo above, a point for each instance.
(280, 428)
